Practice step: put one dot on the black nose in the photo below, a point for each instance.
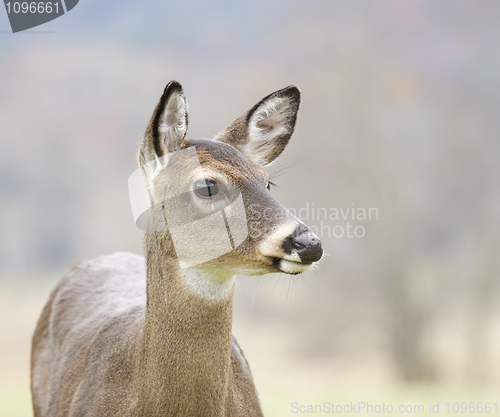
(303, 242)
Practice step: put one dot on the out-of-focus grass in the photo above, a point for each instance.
(15, 400)
(415, 399)
(282, 378)
(19, 311)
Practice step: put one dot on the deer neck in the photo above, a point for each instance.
(185, 359)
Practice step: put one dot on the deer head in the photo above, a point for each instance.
(210, 199)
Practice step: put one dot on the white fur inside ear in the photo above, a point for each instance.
(173, 122)
(269, 121)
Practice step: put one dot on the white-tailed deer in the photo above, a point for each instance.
(124, 335)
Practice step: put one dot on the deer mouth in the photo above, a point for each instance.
(290, 267)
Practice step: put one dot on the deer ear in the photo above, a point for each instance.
(165, 132)
(264, 131)
(168, 125)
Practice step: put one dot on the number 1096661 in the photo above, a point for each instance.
(32, 7)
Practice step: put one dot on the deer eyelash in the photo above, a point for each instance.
(271, 184)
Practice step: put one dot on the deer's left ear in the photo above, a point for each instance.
(264, 131)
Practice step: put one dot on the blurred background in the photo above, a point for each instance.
(399, 120)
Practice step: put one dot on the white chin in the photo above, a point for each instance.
(291, 267)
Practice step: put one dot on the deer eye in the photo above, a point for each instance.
(206, 188)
